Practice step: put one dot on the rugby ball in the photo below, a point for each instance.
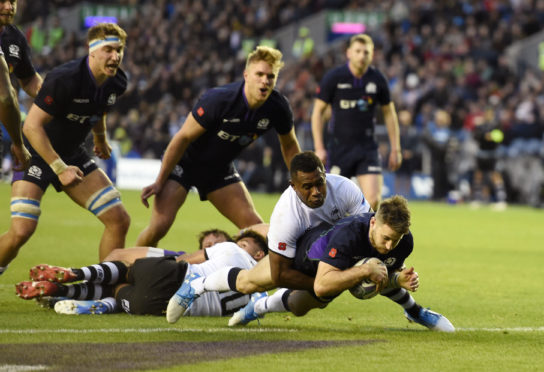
(366, 289)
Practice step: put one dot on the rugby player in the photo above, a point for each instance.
(72, 102)
(312, 198)
(329, 254)
(14, 58)
(223, 122)
(353, 91)
(145, 286)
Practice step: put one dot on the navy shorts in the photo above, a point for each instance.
(41, 174)
(204, 179)
(354, 161)
(153, 281)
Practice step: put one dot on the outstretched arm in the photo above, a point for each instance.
(283, 275)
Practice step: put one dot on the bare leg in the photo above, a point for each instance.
(165, 207)
(371, 185)
(116, 219)
(21, 229)
(235, 203)
(258, 279)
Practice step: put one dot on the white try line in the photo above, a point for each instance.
(512, 329)
(215, 330)
(145, 330)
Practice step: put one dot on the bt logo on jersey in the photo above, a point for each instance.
(80, 118)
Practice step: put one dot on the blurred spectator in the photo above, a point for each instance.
(488, 184)
(303, 46)
(437, 137)
(411, 154)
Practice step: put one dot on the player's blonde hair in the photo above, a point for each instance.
(270, 55)
(394, 213)
(361, 38)
(101, 30)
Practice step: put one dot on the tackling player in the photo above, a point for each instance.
(14, 58)
(312, 199)
(353, 91)
(145, 286)
(223, 122)
(329, 254)
(72, 102)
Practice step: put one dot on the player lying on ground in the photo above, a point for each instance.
(329, 253)
(206, 239)
(145, 286)
(312, 198)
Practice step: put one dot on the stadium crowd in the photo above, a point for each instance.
(445, 62)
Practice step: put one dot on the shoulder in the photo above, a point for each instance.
(287, 210)
(66, 70)
(12, 32)
(376, 74)
(278, 105)
(277, 98)
(337, 182)
(13, 42)
(64, 76)
(222, 249)
(224, 93)
(120, 80)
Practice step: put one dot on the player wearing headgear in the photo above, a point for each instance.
(72, 102)
(224, 121)
(14, 58)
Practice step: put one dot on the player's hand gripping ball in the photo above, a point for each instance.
(366, 289)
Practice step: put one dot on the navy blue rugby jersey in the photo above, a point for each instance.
(69, 94)
(347, 242)
(16, 52)
(354, 101)
(231, 125)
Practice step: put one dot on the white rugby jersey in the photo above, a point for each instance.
(291, 217)
(215, 303)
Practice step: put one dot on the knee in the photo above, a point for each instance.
(244, 285)
(299, 312)
(119, 220)
(20, 233)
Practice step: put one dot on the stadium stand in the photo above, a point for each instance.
(441, 58)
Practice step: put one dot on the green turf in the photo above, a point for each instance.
(481, 268)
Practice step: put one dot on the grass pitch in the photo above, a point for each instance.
(480, 268)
